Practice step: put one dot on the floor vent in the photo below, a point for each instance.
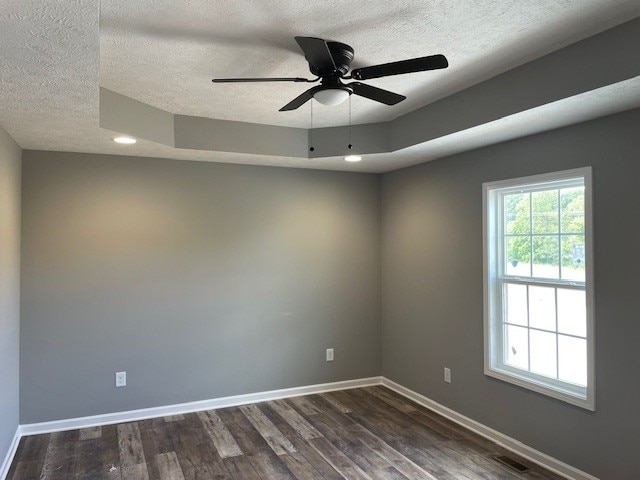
(511, 463)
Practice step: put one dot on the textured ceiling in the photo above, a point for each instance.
(166, 56)
(55, 55)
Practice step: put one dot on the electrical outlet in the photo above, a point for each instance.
(329, 354)
(121, 379)
(447, 375)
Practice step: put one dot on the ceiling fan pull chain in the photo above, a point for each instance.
(311, 148)
(349, 146)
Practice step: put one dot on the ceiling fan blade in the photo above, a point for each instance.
(242, 80)
(432, 62)
(317, 53)
(375, 93)
(299, 100)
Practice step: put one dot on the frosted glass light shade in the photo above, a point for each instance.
(331, 96)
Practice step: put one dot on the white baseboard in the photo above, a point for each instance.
(6, 464)
(142, 414)
(501, 439)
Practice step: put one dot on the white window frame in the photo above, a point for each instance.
(494, 366)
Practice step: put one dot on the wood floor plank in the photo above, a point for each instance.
(156, 436)
(440, 424)
(33, 447)
(306, 463)
(174, 418)
(156, 439)
(371, 403)
(342, 397)
(383, 413)
(168, 466)
(90, 433)
(187, 450)
(29, 457)
(370, 433)
(338, 460)
(110, 453)
(241, 468)
(373, 464)
(383, 394)
(26, 470)
(204, 456)
(437, 422)
(293, 418)
(331, 454)
(266, 463)
(472, 467)
(139, 471)
(331, 398)
(89, 463)
(300, 467)
(468, 451)
(403, 464)
(305, 405)
(219, 434)
(132, 459)
(313, 458)
(404, 444)
(60, 459)
(274, 437)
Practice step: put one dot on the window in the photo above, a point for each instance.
(539, 326)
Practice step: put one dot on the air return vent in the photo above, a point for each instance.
(511, 463)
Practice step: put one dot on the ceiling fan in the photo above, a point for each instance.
(330, 62)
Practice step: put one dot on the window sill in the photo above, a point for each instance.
(587, 402)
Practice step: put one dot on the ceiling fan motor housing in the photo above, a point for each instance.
(342, 56)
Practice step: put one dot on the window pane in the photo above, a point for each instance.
(536, 315)
(516, 301)
(516, 213)
(572, 312)
(542, 308)
(518, 256)
(545, 211)
(546, 257)
(517, 345)
(573, 257)
(572, 210)
(543, 353)
(572, 360)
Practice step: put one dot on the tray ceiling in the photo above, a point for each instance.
(165, 52)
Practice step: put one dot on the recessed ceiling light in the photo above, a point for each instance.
(353, 158)
(125, 140)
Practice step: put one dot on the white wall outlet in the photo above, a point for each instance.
(329, 354)
(447, 375)
(121, 379)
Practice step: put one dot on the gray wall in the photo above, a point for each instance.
(201, 280)
(10, 159)
(204, 280)
(433, 301)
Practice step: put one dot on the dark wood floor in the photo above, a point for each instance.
(365, 433)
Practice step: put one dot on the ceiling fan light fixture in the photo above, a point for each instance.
(331, 96)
